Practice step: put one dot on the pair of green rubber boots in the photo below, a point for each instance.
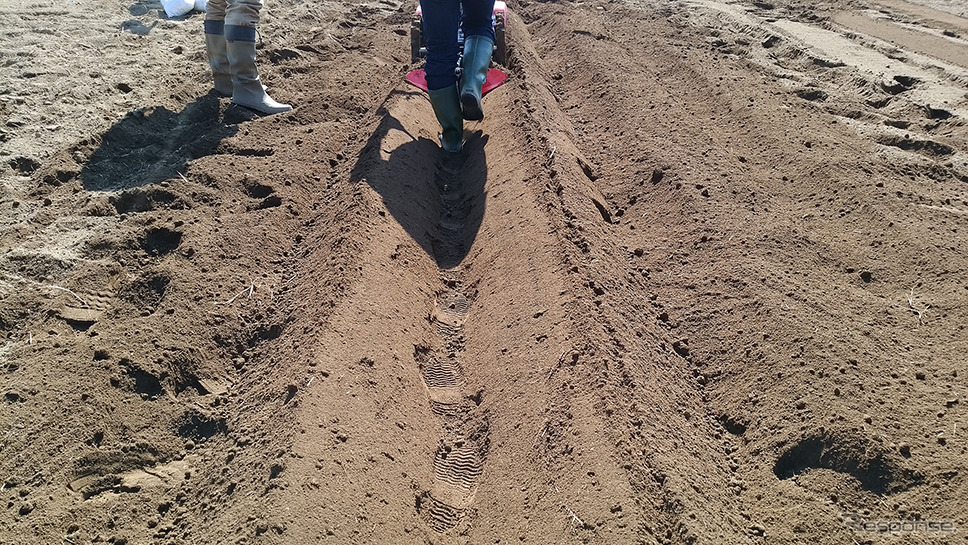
(452, 105)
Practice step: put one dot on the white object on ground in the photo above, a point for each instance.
(177, 8)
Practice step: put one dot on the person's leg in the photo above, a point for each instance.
(477, 18)
(478, 45)
(215, 46)
(440, 22)
(241, 18)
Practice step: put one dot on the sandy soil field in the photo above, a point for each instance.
(699, 277)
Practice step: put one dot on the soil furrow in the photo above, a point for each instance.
(459, 460)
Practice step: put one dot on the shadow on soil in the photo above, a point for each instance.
(151, 145)
(438, 198)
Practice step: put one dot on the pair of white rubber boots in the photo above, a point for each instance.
(231, 54)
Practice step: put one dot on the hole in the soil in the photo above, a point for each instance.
(200, 427)
(157, 285)
(275, 471)
(141, 200)
(843, 453)
(160, 241)
(188, 381)
(123, 87)
(279, 55)
(477, 398)
(259, 191)
(606, 215)
(143, 382)
(912, 144)
(79, 325)
(146, 292)
(732, 424)
(899, 84)
(100, 470)
(290, 393)
(99, 485)
(937, 113)
(101, 355)
(587, 169)
(271, 201)
(907, 81)
(826, 63)
(681, 347)
(897, 123)
(96, 439)
(265, 334)
(879, 102)
(24, 165)
(813, 95)
(421, 353)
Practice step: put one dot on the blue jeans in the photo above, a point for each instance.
(440, 21)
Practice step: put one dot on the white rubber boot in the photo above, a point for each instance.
(247, 89)
(217, 57)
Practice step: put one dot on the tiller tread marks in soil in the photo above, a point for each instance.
(495, 77)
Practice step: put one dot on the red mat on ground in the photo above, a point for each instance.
(494, 79)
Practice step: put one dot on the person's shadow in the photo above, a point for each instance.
(438, 198)
(151, 145)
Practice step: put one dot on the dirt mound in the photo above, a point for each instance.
(696, 278)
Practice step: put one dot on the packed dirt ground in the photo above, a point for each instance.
(700, 276)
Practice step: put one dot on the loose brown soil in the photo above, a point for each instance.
(700, 276)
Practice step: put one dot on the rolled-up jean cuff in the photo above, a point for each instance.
(237, 33)
(214, 27)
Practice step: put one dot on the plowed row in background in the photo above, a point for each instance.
(792, 261)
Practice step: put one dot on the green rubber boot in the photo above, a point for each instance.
(446, 105)
(477, 59)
